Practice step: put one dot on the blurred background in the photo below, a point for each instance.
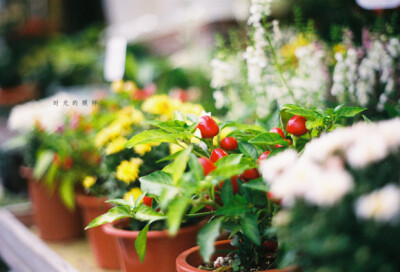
(48, 46)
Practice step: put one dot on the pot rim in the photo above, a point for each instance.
(91, 201)
(110, 229)
(181, 260)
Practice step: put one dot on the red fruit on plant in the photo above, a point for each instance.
(68, 163)
(287, 140)
(217, 154)
(234, 182)
(228, 143)
(263, 156)
(297, 125)
(207, 165)
(274, 199)
(271, 245)
(148, 201)
(56, 159)
(279, 131)
(207, 127)
(250, 174)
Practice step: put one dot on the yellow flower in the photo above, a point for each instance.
(339, 48)
(162, 105)
(89, 181)
(288, 51)
(106, 134)
(129, 116)
(117, 86)
(128, 171)
(116, 145)
(134, 192)
(142, 149)
(190, 108)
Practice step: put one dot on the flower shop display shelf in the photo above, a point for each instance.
(22, 250)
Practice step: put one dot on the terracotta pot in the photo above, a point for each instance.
(161, 252)
(103, 245)
(189, 260)
(54, 221)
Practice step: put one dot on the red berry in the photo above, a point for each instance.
(263, 156)
(297, 125)
(234, 182)
(228, 143)
(207, 164)
(273, 198)
(148, 201)
(278, 130)
(68, 163)
(287, 140)
(208, 127)
(217, 154)
(249, 174)
(271, 245)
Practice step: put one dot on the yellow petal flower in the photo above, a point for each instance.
(116, 145)
(128, 171)
(117, 86)
(142, 149)
(161, 105)
(89, 181)
(134, 192)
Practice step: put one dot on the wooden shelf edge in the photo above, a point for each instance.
(22, 251)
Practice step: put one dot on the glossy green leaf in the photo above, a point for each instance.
(44, 159)
(176, 211)
(227, 191)
(67, 192)
(256, 184)
(140, 243)
(268, 138)
(155, 136)
(230, 160)
(348, 112)
(250, 228)
(113, 214)
(155, 182)
(236, 206)
(179, 165)
(310, 124)
(196, 168)
(207, 236)
(248, 150)
(145, 213)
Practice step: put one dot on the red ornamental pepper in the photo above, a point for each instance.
(297, 125)
(229, 143)
(217, 154)
(263, 156)
(274, 199)
(207, 165)
(271, 245)
(234, 182)
(279, 131)
(68, 163)
(287, 140)
(148, 201)
(207, 127)
(250, 174)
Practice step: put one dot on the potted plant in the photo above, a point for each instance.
(222, 184)
(59, 160)
(341, 200)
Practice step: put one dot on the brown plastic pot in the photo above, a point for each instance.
(161, 251)
(103, 245)
(54, 221)
(189, 260)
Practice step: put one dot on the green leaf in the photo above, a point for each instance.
(227, 191)
(196, 168)
(174, 126)
(230, 160)
(176, 210)
(242, 126)
(348, 112)
(155, 182)
(306, 113)
(170, 157)
(366, 119)
(268, 138)
(167, 196)
(338, 107)
(67, 192)
(155, 136)
(44, 159)
(237, 206)
(248, 149)
(113, 214)
(140, 243)
(256, 184)
(119, 201)
(50, 176)
(145, 213)
(310, 124)
(250, 228)
(228, 171)
(179, 165)
(207, 236)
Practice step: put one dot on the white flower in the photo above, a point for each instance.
(332, 186)
(273, 167)
(222, 73)
(219, 99)
(281, 218)
(381, 205)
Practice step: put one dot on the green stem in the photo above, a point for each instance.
(279, 68)
(199, 214)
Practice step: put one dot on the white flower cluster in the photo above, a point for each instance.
(357, 78)
(23, 117)
(319, 175)
(382, 205)
(222, 73)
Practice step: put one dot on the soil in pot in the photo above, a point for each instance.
(54, 221)
(103, 245)
(162, 250)
(190, 260)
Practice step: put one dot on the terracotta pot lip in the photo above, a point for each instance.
(91, 201)
(181, 260)
(26, 172)
(121, 233)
